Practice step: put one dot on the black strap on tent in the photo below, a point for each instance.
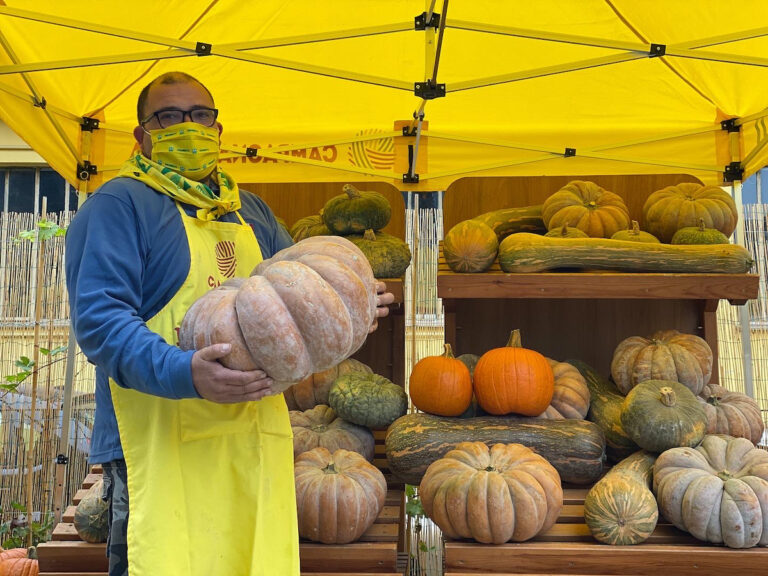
(411, 177)
(420, 21)
(203, 49)
(732, 172)
(569, 152)
(657, 50)
(428, 90)
(88, 124)
(730, 125)
(85, 170)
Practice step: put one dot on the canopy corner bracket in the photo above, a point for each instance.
(569, 152)
(733, 171)
(85, 170)
(88, 124)
(657, 50)
(730, 125)
(203, 49)
(420, 21)
(428, 90)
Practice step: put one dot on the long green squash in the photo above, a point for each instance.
(605, 411)
(525, 253)
(574, 447)
(512, 220)
(620, 508)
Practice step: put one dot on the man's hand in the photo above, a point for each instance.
(218, 384)
(383, 300)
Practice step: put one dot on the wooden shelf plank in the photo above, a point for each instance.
(356, 557)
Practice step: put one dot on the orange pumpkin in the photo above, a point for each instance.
(441, 385)
(19, 562)
(513, 379)
(588, 207)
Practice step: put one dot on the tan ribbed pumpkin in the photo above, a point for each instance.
(588, 207)
(571, 396)
(304, 310)
(667, 355)
(732, 413)
(321, 427)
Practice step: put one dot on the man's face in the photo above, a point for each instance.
(184, 96)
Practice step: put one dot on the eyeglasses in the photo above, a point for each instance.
(169, 116)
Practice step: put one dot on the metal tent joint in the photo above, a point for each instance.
(657, 50)
(88, 124)
(40, 103)
(428, 90)
(733, 172)
(420, 21)
(251, 152)
(62, 459)
(410, 178)
(730, 125)
(85, 170)
(203, 49)
(569, 152)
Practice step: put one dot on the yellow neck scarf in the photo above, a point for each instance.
(166, 181)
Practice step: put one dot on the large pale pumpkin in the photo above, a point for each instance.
(507, 492)
(667, 355)
(304, 310)
(718, 491)
(314, 389)
(588, 207)
(470, 246)
(19, 562)
(683, 205)
(570, 397)
(338, 496)
(441, 385)
(732, 413)
(321, 427)
(513, 379)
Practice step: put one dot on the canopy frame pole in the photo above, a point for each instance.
(31, 100)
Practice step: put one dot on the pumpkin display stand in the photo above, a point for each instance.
(376, 552)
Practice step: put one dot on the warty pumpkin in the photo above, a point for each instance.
(718, 491)
(309, 226)
(441, 385)
(570, 397)
(339, 495)
(304, 310)
(368, 400)
(388, 255)
(666, 355)
(699, 235)
(356, 211)
(732, 413)
(313, 390)
(668, 210)
(507, 492)
(661, 414)
(92, 515)
(513, 379)
(588, 207)
(470, 246)
(321, 427)
(620, 509)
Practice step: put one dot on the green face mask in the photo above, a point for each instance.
(187, 148)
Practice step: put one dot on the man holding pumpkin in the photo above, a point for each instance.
(205, 452)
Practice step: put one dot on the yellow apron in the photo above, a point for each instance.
(211, 487)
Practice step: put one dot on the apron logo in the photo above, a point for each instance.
(225, 258)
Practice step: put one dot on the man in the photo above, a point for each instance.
(204, 452)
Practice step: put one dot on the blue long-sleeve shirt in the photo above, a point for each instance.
(126, 256)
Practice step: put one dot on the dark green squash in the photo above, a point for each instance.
(620, 509)
(512, 220)
(356, 211)
(662, 414)
(368, 400)
(388, 255)
(605, 411)
(574, 447)
(309, 226)
(92, 515)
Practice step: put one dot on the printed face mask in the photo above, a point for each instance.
(188, 148)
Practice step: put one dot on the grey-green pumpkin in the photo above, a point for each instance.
(355, 211)
(368, 400)
(634, 234)
(92, 515)
(699, 235)
(388, 255)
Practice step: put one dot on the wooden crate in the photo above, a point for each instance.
(568, 548)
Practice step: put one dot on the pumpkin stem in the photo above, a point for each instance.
(564, 230)
(714, 399)
(635, 228)
(489, 469)
(515, 341)
(668, 397)
(724, 475)
(351, 191)
(448, 352)
(369, 235)
(32, 553)
(702, 226)
(330, 469)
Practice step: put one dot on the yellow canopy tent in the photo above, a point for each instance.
(320, 91)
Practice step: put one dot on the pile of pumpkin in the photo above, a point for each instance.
(359, 216)
(685, 229)
(479, 479)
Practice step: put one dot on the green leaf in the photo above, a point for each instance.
(19, 507)
(44, 351)
(59, 350)
(414, 508)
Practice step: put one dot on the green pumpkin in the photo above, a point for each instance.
(388, 255)
(699, 235)
(309, 226)
(567, 232)
(634, 234)
(662, 414)
(368, 400)
(356, 211)
(92, 516)
(470, 246)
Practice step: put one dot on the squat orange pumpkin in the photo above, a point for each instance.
(441, 385)
(513, 379)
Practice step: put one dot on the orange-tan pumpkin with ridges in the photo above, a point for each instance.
(571, 397)
(588, 207)
(19, 562)
(320, 426)
(732, 413)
